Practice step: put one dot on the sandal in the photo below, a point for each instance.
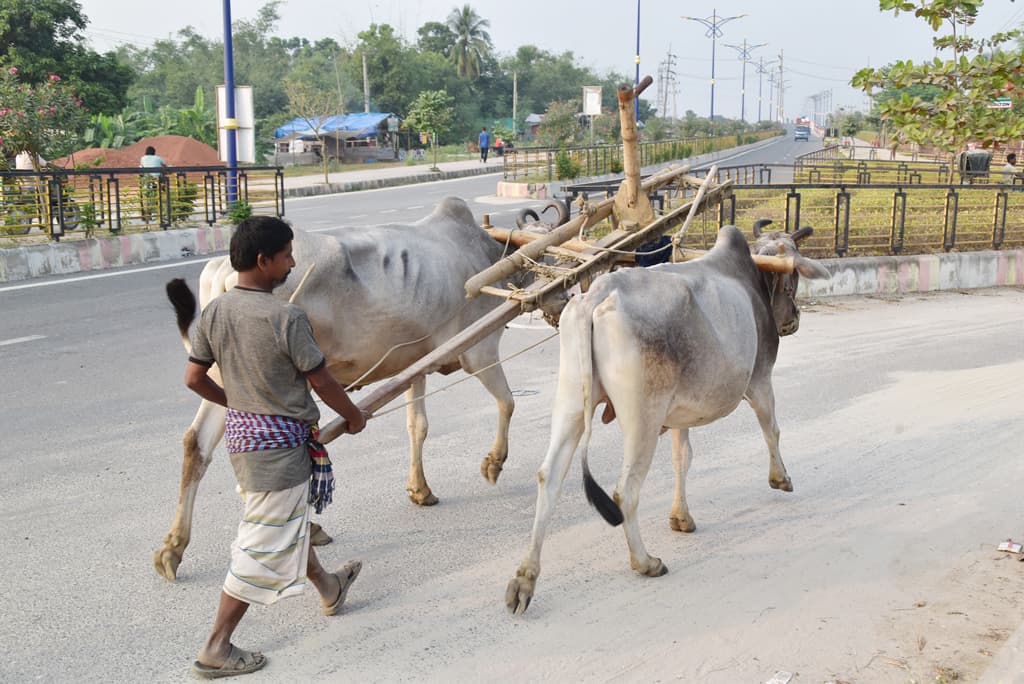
(346, 575)
(238, 662)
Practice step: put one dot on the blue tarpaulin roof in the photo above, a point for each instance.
(356, 125)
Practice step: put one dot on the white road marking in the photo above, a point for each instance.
(18, 340)
(388, 211)
(76, 279)
(417, 206)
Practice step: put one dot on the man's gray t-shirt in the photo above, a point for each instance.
(264, 346)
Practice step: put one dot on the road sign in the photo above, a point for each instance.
(1000, 103)
(592, 100)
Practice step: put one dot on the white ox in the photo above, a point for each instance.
(371, 288)
(669, 347)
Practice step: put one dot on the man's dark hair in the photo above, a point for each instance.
(1011, 158)
(266, 235)
(150, 150)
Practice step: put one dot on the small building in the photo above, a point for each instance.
(352, 138)
(533, 122)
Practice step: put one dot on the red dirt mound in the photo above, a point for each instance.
(177, 150)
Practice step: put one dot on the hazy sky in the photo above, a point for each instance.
(822, 43)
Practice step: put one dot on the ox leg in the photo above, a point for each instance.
(199, 441)
(762, 399)
(566, 430)
(416, 423)
(639, 443)
(493, 379)
(682, 456)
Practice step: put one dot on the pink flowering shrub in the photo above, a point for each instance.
(43, 119)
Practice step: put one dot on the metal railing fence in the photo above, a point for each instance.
(888, 219)
(851, 219)
(546, 164)
(52, 204)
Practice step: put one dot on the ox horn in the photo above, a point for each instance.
(802, 233)
(561, 208)
(759, 224)
(524, 216)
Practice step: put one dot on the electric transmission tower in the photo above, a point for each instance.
(667, 83)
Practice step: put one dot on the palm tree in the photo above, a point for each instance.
(472, 42)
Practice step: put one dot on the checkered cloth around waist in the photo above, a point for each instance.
(244, 432)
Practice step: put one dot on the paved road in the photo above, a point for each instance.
(901, 430)
(411, 202)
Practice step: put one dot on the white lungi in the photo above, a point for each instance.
(269, 555)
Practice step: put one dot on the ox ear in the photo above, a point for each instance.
(759, 224)
(809, 268)
(801, 234)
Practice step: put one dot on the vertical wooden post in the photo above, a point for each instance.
(632, 208)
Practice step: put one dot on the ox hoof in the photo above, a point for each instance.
(422, 497)
(518, 594)
(784, 484)
(317, 536)
(653, 568)
(491, 469)
(682, 524)
(166, 561)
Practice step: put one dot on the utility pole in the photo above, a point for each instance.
(781, 89)
(744, 54)
(366, 85)
(515, 101)
(762, 69)
(771, 95)
(337, 77)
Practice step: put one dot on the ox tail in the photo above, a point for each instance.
(597, 497)
(184, 303)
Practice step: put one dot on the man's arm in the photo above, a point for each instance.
(335, 396)
(197, 380)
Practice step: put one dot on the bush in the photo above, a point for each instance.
(238, 212)
(615, 165)
(565, 166)
(183, 201)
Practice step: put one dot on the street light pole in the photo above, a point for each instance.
(744, 53)
(230, 123)
(713, 24)
(636, 82)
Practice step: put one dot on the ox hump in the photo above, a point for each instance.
(455, 209)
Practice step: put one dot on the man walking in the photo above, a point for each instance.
(485, 142)
(266, 353)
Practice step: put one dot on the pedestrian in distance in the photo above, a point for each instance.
(485, 142)
(266, 352)
(152, 160)
(1010, 170)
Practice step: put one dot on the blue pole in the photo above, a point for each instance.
(230, 124)
(714, 32)
(636, 82)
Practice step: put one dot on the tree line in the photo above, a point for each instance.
(168, 87)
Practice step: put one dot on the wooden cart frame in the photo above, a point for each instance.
(633, 223)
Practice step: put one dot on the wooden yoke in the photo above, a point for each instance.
(632, 208)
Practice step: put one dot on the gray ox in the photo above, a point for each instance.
(674, 346)
(371, 289)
